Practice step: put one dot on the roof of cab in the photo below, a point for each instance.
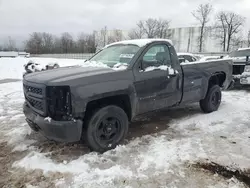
(139, 42)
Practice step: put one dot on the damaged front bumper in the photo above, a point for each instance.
(61, 131)
(243, 79)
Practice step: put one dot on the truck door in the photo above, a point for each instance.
(157, 86)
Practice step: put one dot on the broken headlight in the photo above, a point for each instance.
(247, 68)
(59, 102)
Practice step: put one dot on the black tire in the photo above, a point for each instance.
(106, 128)
(212, 100)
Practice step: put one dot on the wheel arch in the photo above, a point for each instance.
(217, 78)
(122, 100)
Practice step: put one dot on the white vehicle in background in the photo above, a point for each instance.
(8, 54)
(24, 54)
(187, 57)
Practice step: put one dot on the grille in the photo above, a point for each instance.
(34, 90)
(36, 104)
(238, 69)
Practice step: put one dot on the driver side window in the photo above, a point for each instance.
(156, 56)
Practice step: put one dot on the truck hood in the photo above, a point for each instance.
(62, 75)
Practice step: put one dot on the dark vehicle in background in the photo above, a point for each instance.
(240, 58)
(96, 104)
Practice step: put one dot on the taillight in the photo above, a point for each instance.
(59, 103)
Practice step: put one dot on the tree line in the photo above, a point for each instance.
(227, 27)
(45, 43)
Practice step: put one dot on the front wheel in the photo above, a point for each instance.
(106, 128)
(212, 100)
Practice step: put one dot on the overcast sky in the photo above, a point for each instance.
(20, 17)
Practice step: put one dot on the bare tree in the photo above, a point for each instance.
(81, 42)
(104, 33)
(67, 42)
(234, 23)
(11, 44)
(48, 42)
(202, 14)
(115, 36)
(150, 28)
(86, 43)
(57, 45)
(237, 42)
(35, 43)
(137, 33)
(101, 37)
(162, 28)
(221, 29)
(230, 24)
(248, 39)
(90, 44)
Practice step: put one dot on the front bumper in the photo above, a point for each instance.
(61, 131)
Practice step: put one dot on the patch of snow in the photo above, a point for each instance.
(14, 67)
(214, 60)
(117, 67)
(162, 67)
(139, 42)
(24, 145)
(246, 74)
(17, 135)
(238, 76)
(120, 66)
(94, 64)
(208, 58)
(31, 186)
(185, 53)
(241, 49)
(48, 119)
(243, 75)
(86, 174)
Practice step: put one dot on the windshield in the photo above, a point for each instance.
(117, 54)
(240, 53)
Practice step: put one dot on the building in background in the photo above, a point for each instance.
(186, 40)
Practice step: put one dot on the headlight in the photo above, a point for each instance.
(247, 68)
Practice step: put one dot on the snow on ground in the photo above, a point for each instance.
(158, 153)
(13, 67)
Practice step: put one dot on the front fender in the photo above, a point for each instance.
(82, 95)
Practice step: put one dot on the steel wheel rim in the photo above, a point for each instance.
(108, 131)
(215, 98)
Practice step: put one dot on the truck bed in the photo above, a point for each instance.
(196, 75)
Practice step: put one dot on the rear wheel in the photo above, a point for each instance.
(106, 128)
(212, 100)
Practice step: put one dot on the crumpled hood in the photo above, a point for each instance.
(65, 74)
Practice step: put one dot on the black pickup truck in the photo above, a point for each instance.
(96, 104)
